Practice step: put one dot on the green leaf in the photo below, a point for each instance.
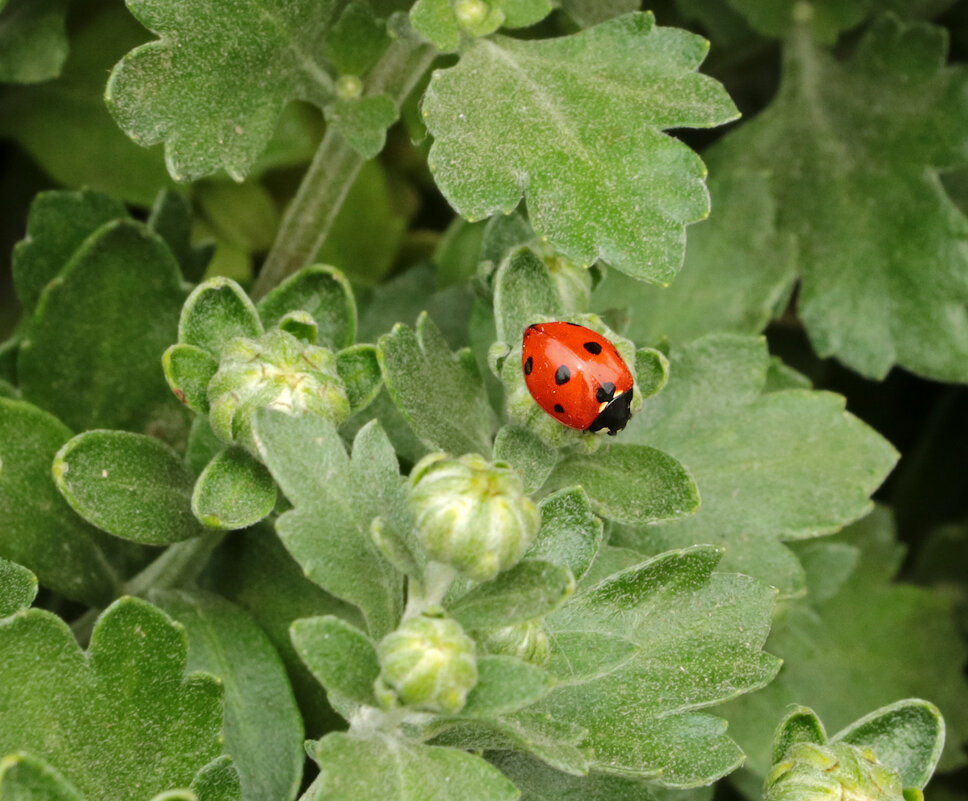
(18, 587)
(322, 291)
(363, 121)
(539, 782)
(591, 12)
(576, 124)
(799, 725)
(504, 685)
(187, 90)
(218, 310)
(129, 485)
(171, 219)
(827, 566)
(873, 642)
(651, 371)
(263, 731)
(579, 656)
(95, 341)
(217, 781)
(356, 40)
(390, 769)
(25, 778)
(57, 226)
(339, 655)
(699, 635)
(527, 453)
(435, 19)
(418, 365)
(907, 736)
(631, 483)
(121, 721)
(40, 531)
(824, 18)
(188, 371)
(244, 216)
(33, 40)
(359, 370)
(524, 292)
(570, 533)
(336, 498)
(234, 491)
(771, 467)
(872, 294)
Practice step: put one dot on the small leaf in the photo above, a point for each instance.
(907, 736)
(524, 292)
(631, 483)
(171, 219)
(570, 533)
(579, 656)
(435, 20)
(186, 88)
(591, 12)
(18, 588)
(234, 491)
(651, 371)
(363, 121)
(359, 370)
(25, 778)
(188, 371)
(800, 725)
(33, 40)
(530, 589)
(217, 311)
(219, 780)
(620, 190)
(340, 656)
(356, 40)
(527, 453)
(322, 291)
(129, 485)
(504, 685)
(418, 365)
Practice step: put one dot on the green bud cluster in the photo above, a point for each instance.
(428, 663)
(832, 772)
(527, 641)
(276, 371)
(471, 514)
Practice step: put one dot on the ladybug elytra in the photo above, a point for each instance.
(577, 376)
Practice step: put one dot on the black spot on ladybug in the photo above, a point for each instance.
(559, 408)
(593, 347)
(562, 374)
(605, 392)
(528, 365)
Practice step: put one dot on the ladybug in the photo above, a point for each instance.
(577, 376)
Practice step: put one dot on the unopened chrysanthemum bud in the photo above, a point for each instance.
(472, 515)
(527, 641)
(276, 371)
(428, 663)
(832, 772)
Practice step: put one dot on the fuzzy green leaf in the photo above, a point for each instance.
(33, 40)
(356, 40)
(504, 685)
(95, 341)
(770, 467)
(57, 226)
(121, 722)
(18, 587)
(800, 725)
(40, 531)
(631, 483)
(363, 121)
(129, 485)
(339, 655)
(852, 179)
(528, 590)
(171, 219)
(576, 125)
(524, 292)
(263, 731)
(527, 453)
(579, 656)
(217, 781)
(322, 291)
(234, 491)
(570, 532)
(591, 12)
(873, 642)
(391, 769)
(216, 312)
(188, 371)
(25, 778)
(539, 782)
(187, 88)
(417, 365)
(359, 370)
(699, 635)
(336, 497)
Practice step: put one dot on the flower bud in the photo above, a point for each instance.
(428, 663)
(527, 641)
(276, 371)
(471, 514)
(832, 772)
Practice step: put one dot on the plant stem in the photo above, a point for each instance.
(334, 168)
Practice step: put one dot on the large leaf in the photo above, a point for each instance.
(263, 730)
(336, 498)
(213, 85)
(121, 722)
(33, 40)
(576, 126)
(880, 247)
(39, 529)
(771, 466)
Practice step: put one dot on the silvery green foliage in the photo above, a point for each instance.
(527, 641)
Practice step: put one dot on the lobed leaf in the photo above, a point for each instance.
(357, 39)
(322, 291)
(363, 121)
(504, 685)
(234, 491)
(580, 656)
(539, 782)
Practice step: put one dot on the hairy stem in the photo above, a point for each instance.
(334, 168)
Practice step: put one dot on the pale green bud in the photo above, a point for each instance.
(428, 663)
(275, 371)
(832, 772)
(527, 641)
(471, 514)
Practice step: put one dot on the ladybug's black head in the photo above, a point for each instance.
(615, 415)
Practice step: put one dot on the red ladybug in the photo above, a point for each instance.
(577, 376)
